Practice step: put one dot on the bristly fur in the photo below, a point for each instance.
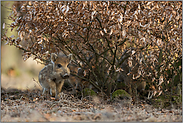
(53, 75)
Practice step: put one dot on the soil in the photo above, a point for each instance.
(32, 106)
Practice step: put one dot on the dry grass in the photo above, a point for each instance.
(30, 106)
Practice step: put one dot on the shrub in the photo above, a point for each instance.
(98, 34)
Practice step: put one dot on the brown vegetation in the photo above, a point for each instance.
(98, 34)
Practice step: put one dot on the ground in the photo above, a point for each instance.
(31, 106)
(26, 103)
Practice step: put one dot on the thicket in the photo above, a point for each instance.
(103, 36)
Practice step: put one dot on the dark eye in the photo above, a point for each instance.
(59, 65)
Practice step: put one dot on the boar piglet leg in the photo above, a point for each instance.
(59, 88)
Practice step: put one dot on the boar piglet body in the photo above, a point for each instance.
(53, 75)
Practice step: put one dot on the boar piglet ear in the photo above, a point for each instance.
(70, 56)
(53, 57)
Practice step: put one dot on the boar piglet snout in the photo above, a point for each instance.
(65, 76)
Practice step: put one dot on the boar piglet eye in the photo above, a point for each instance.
(59, 65)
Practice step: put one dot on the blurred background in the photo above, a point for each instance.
(15, 72)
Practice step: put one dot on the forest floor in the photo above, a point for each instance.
(31, 106)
